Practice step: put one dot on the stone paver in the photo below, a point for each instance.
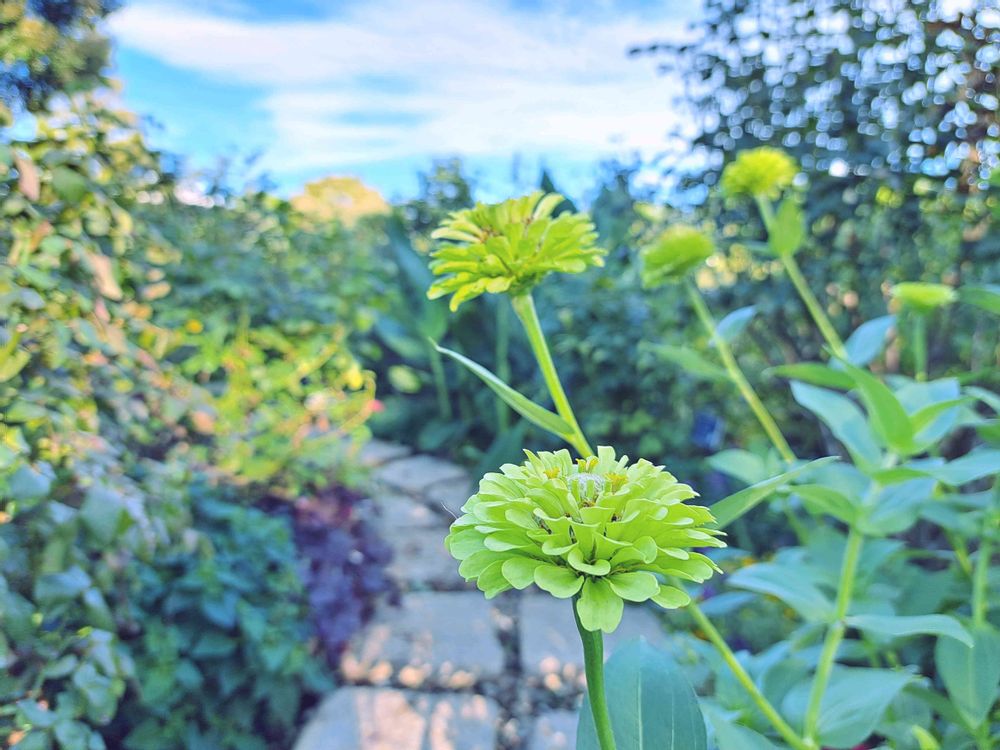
(414, 474)
(555, 730)
(402, 512)
(450, 495)
(359, 718)
(421, 560)
(550, 644)
(377, 452)
(446, 639)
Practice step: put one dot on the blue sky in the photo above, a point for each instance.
(378, 88)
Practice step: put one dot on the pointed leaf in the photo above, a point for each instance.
(898, 626)
(735, 322)
(523, 405)
(844, 419)
(887, 415)
(729, 509)
(814, 373)
(868, 340)
(986, 296)
(971, 675)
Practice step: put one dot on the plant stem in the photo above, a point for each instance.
(440, 384)
(524, 307)
(979, 581)
(772, 715)
(502, 361)
(834, 636)
(593, 660)
(736, 375)
(802, 287)
(920, 345)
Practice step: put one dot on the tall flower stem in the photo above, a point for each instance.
(736, 375)
(440, 385)
(919, 344)
(593, 661)
(502, 361)
(835, 635)
(791, 266)
(524, 307)
(746, 681)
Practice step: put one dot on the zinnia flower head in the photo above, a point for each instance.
(760, 173)
(600, 528)
(510, 247)
(681, 248)
(923, 296)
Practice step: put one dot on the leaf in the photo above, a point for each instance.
(971, 675)
(888, 417)
(735, 322)
(854, 702)
(651, 703)
(524, 406)
(103, 513)
(793, 586)
(787, 231)
(897, 626)
(868, 340)
(70, 185)
(691, 362)
(730, 736)
(745, 466)
(738, 504)
(844, 419)
(814, 373)
(820, 499)
(986, 296)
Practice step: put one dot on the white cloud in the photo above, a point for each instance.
(392, 79)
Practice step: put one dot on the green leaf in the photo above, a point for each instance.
(735, 322)
(747, 467)
(868, 340)
(814, 373)
(820, 499)
(103, 513)
(788, 229)
(854, 702)
(731, 736)
(691, 362)
(651, 703)
(902, 626)
(986, 296)
(70, 185)
(844, 419)
(793, 586)
(729, 509)
(524, 406)
(888, 417)
(971, 675)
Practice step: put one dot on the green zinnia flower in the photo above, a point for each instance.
(680, 249)
(599, 528)
(510, 247)
(760, 173)
(923, 297)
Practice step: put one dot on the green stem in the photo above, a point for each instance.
(979, 581)
(593, 660)
(920, 345)
(440, 384)
(834, 636)
(736, 375)
(770, 713)
(802, 286)
(502, 362)
(524, 307)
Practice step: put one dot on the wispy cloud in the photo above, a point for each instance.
(389, 79)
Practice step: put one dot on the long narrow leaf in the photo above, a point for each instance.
(729, 509)
(520, 403)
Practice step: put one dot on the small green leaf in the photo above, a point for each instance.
(691, 362)
(814, 373)
(986, 296)
(651, 703)
(788, 229)
(820, 499)
(729, 509)
(971, 675)
(524, 406)
(868, 340)
(844, 419)
(735, 322)
(888, 417)
(900, 626)
(792, 585)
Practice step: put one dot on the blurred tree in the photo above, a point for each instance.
(49, 47)
(345, 199)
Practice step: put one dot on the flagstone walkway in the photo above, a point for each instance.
(444, 669)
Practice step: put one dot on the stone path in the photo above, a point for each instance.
(444, 669)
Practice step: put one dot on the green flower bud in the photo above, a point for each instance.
(923, 297)
(598, 528)
(680, 249)
(510, 247)
(760, 173)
